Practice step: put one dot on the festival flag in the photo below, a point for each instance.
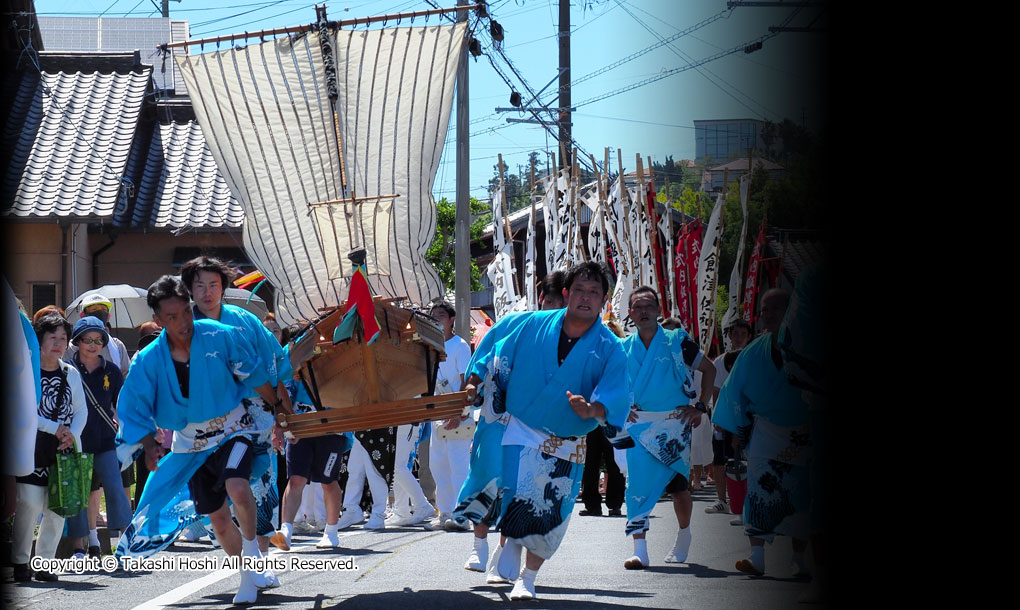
(666, 226)
(552, 223)
(733, 309)
(530, 287)
(751, 284)
(687, 257)
(500, 274)
(359, 305)
(708, 272)
(563, 256)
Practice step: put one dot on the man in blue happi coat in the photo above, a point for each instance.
(769, 417)
(661, 364)
(559, 374)
(192, 380)
(207, 279)
(478, 501)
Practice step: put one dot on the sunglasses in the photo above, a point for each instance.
(91, 341)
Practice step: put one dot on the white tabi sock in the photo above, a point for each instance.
(510, 560)
(479, 555)
(524, 588)
(758, 557)
(681, 546)
(493, 576)
(94, 537)
(287, 529)
(248, 590)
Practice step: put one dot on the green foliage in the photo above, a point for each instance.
(441, 252)
(722, 301)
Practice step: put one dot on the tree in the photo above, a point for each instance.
(440, 253)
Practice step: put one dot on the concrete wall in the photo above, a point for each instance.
(32, 254)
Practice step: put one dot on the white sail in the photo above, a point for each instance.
(268, 119)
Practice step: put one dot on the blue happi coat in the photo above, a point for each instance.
(759, 404)
(662, 382)
(224, 369)
(277, 367)
(537, 385)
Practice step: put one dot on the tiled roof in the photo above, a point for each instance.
(181, 185)
(71, 136)
(798, 252)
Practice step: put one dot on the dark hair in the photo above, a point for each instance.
(729, 358)
(741, 323)
(51, 323)
(166, 287)
(672, 322)
(206, 263)
(591, 271)
(642, 290)
(552, 284)
(450, 311)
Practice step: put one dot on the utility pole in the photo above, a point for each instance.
(564, 113)
(166, 9)
(462, 231)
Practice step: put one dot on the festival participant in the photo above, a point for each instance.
(98, 306)
(660, 422)
(361, 467)
(410, 506)
(62, 413)
(767, 414)
(739, 334)
(206, 279)
(315, 460)
(449, 457)
(550, 291)
(559, 375)
(102, 382)
(479, 498)
(203, 404)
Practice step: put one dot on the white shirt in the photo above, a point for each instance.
(458, 354)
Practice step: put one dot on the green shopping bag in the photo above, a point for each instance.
(70, 482)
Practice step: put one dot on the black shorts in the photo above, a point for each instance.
(232, 459)
(316, 459)
(678, 484)
(722, 448)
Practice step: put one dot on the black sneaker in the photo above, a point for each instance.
(95, 551)
(590, 513)
(615, 512)
(44, 576)
(22, 573)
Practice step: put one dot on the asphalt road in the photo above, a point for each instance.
(412, 568)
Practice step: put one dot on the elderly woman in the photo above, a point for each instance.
(101, 381)
(62, 413)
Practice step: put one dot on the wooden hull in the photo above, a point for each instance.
(371, 386)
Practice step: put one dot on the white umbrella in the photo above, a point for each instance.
(130, 308)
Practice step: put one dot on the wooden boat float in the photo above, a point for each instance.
(358, 386)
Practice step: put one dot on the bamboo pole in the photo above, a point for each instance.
(297, 29)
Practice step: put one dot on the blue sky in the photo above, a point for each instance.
(782, 80)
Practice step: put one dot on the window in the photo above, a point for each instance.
(43, 294)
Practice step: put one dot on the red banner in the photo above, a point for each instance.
(688, 254)
(751, 283)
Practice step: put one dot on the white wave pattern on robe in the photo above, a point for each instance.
(265, 112)
(708, 272)
(733, 308)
